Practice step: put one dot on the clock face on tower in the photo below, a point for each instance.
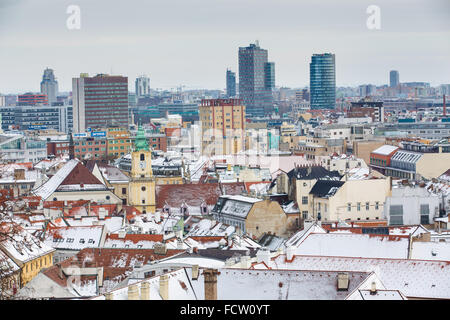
(142, 165)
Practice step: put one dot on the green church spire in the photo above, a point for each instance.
(140, 142)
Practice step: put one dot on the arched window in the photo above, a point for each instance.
(142, 157)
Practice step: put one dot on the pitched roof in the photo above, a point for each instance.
(73, 176)
(414, 278)
(313, 172)
(194, 194)
(354, 245)
(325, 188)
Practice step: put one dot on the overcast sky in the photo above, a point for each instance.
(192, 42)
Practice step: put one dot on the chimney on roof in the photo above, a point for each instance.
(102, 213)
(145, 291)
(60, 271)
(290, 253)
(133, 293)
(373, 288)
(195, 272)
(109, 296)
(19, 174)
(122, 234)
(343, 281)
(245, 262)
(210, 276)
(164, 286)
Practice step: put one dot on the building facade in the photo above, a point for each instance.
(49, 85)
(223, 126)
(142, 186)
(394, 78)
(322, 81)
(255, 93)
(142, 85)
(231, 84)
(99, 101)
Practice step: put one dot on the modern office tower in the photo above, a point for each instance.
(231, 84)
(223, 126)
(49, 86)
(99, 102)
(322, 78)
(394, 78)
(142, 86)
(254, 84)
(31, 99)
(366, 90)
(269, 73)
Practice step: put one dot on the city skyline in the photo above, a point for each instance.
(193, 46)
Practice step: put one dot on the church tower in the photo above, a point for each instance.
(142, 185)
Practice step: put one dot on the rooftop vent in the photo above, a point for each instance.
(343, 281)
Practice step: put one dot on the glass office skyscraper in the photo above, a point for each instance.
(394, 78)
(322, 78)
(231, 84)
(254, 90)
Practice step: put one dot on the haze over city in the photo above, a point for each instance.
(191, 42)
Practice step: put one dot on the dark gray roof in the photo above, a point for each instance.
(324, 188)
(313, 172)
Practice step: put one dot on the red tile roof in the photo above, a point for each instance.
(194, 194)
(135, 238)
(80, 175)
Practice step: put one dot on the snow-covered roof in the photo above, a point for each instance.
(354, 245)
(234, 284)
(430, 250)
(298, 237)
(385, 150)
(46, 190)
(25, 247)
(75, 238)
(414, 278)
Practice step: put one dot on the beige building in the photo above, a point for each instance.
(222, 126)
(251, 215)
(349, 200)
(363, 148)
(314, 147)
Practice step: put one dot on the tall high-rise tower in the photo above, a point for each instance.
(394, 78)
(322, 79)
(231, 84)
(49, 85)
(142, 85)
(254, 90)
(99, 102)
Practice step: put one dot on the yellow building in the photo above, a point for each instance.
(29, 253)
(223, 126)
(119, 142)
(141, 194)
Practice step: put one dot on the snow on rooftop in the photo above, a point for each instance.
(75, 238)
(431, 251)
(353, 245)
(385, 150)
(46, 190)
(414, 278)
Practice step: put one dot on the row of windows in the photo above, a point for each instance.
(358, 206)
